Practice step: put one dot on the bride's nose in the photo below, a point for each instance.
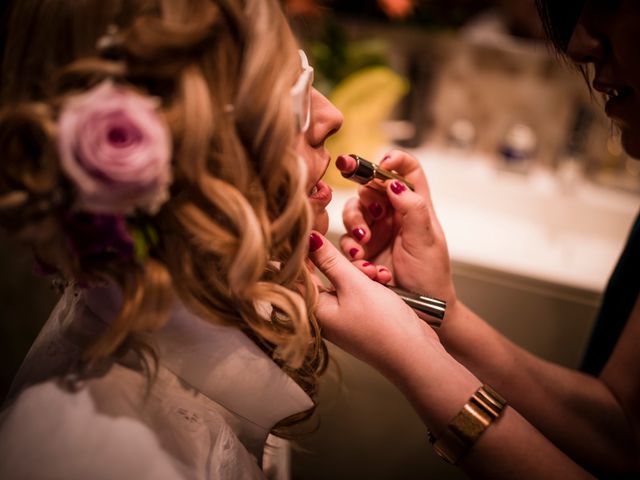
(326, 119)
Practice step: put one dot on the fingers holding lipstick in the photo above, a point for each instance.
(370, 233)
(396, 227)
(407, 166)
(397, 161)
(357, 254)
(355, 221)
(374, 204)
(383, 274)
(368, 268)
(374, 219)
(400, 162)
(379, 273)
(351, 248)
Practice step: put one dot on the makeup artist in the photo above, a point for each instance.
(536, 419)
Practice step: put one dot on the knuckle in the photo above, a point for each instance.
(420, 205)
(420, 210)
(351, 204)
(328, 263)
(351, 213)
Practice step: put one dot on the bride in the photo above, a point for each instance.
(163, 158)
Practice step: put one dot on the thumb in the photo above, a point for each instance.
(330, 261)
(415, 212)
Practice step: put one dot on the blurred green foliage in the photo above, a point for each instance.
(335, 58)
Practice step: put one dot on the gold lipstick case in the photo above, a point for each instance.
(431, 310)
(372, 175)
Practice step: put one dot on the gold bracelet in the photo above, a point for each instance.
(480, 411)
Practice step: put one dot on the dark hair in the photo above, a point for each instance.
(5, 8)
(559, 19)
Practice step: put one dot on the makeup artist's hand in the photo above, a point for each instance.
(365, 318)
(398, 228)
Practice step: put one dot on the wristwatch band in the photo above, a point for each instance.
(480, 411)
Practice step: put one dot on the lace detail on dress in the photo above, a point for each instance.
(52, 353)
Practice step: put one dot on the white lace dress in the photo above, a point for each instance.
(206, 416)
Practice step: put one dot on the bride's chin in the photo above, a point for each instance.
(321, 222)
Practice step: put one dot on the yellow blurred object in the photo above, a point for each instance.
(366, 98)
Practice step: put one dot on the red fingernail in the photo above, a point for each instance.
(376, 210)
(366, 264)
(315, 242)
(385, 158)
(353, 252)
(397, 187)
(358, 233)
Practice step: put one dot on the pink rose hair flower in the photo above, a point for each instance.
(116, 149)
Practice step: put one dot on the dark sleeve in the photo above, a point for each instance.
(618, 301)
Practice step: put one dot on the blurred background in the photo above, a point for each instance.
(528, 178)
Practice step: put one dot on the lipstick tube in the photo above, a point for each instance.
(431, 310)
(372, 175)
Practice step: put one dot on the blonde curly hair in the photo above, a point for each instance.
(232, 238)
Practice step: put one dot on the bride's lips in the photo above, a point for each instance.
(321, 194)
(618, 97)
